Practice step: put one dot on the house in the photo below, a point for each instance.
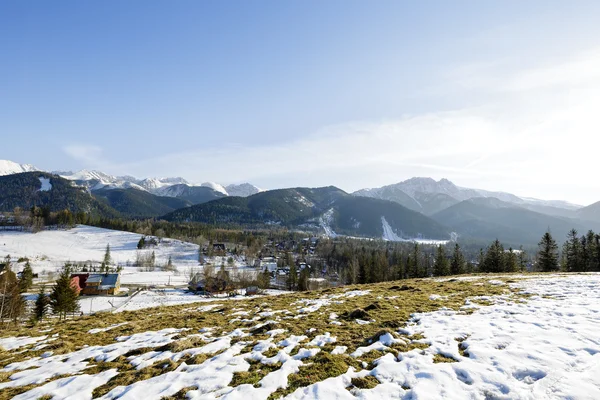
(219, 247)
(251, 290)
(214, 285)
(75, 284)
(103, 284)
(268, 263)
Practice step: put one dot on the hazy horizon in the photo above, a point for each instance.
(500, 97)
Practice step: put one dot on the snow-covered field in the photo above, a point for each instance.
(545, 346)
(49, 250)
(156, 298)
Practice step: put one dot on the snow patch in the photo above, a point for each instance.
(46, 185)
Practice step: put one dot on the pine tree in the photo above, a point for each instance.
(510, 261)
(457, 264)
(591, 252)
(26, 278)
(264, 279)
(107, 259)
(303, 280)
(63, 299)
(292, 278)
(169, 266)
(572, 252)
(441, 267)
(12, 304)
(522, 259)
(494, 258)
(141, 243)
(547, 253)
(41, 305)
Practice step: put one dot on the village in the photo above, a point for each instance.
(134, 269)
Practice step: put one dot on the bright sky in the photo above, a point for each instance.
(500, 95)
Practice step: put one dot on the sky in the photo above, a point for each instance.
(497, 95)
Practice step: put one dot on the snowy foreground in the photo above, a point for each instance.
(546, 346)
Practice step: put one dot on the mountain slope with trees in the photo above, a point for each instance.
(304, 208)
(25, 190)
(490, 218)
(138, 203)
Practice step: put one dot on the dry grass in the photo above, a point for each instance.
(368, 382)
(389, 305)
(440, 358)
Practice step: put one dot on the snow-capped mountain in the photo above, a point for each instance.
(169, 187)
(242, 190)
(216, 187)
(9, 167)
(429, 196)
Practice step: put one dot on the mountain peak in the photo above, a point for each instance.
(8, 167)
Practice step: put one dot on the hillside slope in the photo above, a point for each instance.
(138, 203)
(43, 189)
(329, 209)
(490, 218)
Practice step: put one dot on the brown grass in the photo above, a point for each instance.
(388, 311)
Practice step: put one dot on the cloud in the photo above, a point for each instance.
(536, 134)
(88, 155)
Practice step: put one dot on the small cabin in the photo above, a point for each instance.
(99, 284)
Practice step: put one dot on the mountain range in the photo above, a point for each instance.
(415, 208)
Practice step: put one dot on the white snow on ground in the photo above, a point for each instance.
(49, 250)
(108, 328)
(155, 298)
(46, 185)
(391, 236)
(543, 347)
(13, 343)
(78, 387)
(37, 370)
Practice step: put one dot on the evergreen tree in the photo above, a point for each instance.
(457, 264)
(292, 278)
(12, 304)
(141, 243)
(264, 279)
(547, 253)
(169, 266)
(591, 252)
(63, 298)
(41, 305)
(572, 252)
(107, 259)
(303, 279)
(522, 259)
(494, 258)
(441, 267)
(510, 261)
(481, 261)
(26, 278)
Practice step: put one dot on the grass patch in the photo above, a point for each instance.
(317, 369)
(256, 372)
(181, 395)
(367, 382)
(402, 299)
(439, 358)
